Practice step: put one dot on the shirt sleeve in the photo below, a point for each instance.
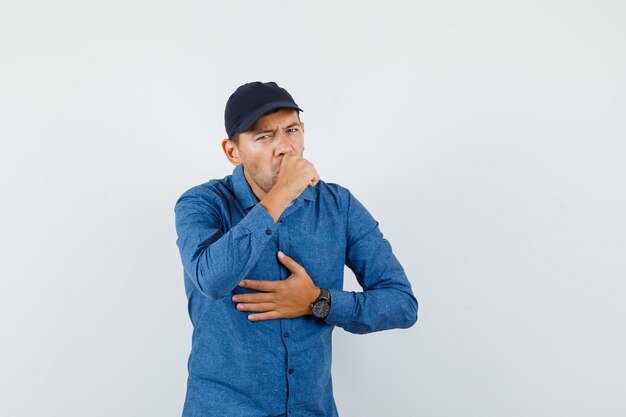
(216, 261)
(387, 299)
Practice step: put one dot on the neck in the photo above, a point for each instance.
(258, 191)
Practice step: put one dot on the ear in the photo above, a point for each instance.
(231, 151)
(302, 126)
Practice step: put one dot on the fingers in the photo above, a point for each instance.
(292, 265)
(266, 286)
(315, 177)
(270, 315)
(256, 307)
(259, 297)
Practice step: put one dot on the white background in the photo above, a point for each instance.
(487, 138)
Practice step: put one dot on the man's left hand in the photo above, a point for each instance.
(283, 299)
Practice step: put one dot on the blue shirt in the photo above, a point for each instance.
(238, 367)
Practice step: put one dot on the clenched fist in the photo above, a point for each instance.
(294, 175)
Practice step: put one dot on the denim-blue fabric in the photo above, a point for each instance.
(241, 368)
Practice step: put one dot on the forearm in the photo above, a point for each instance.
(275, 203)
(373, 310)
(217, 266)
(387, 300)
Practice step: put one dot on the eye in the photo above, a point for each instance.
(263, 137)
(293, 129)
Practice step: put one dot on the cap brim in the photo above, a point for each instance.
(250, 120)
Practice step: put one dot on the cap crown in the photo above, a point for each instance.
(253, 100)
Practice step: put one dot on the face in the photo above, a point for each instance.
(261, 149)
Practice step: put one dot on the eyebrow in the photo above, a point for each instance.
(256, 132)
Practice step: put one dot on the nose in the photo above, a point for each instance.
(283, 144)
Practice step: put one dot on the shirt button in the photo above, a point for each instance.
(286, 334)
(268, 232)
(290, 371)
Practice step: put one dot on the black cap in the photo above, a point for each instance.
(253, 100)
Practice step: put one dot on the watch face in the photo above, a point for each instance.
(320, 309)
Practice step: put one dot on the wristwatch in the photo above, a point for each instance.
(321, 306)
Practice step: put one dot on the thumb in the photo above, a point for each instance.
(292, 265)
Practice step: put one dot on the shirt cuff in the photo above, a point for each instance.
(259, 223)
(341, 308)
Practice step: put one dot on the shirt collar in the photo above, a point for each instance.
(246, 196)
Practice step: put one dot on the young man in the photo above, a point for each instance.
(263, 252)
